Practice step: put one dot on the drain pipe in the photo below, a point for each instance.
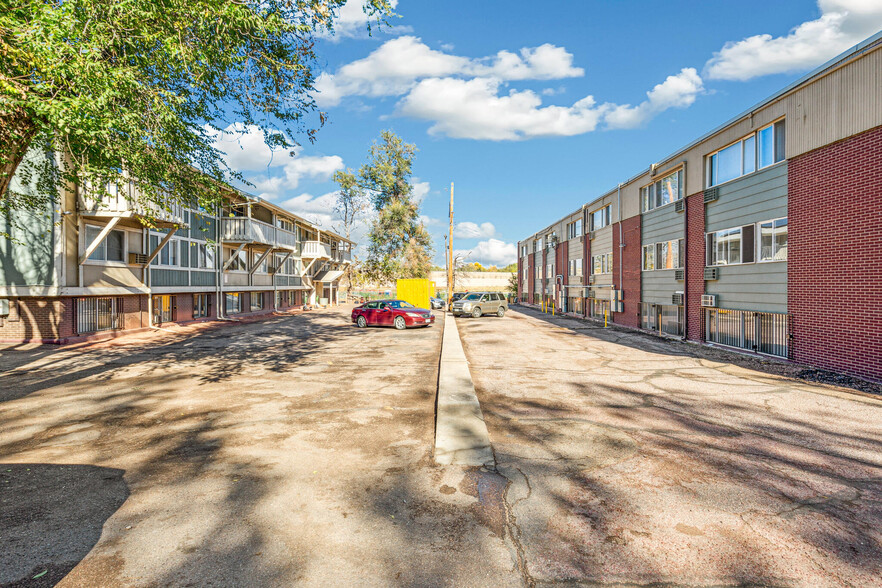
(621, 245)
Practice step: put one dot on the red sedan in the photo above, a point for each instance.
(391, 313)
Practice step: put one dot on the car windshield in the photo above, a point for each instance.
(472, 297)
(401, 304)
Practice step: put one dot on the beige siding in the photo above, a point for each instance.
(108, 276)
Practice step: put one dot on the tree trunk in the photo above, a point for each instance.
(17, 130)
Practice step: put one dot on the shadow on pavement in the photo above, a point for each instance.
(51, 516)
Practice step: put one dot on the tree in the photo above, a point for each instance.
(138, 90)
(399, 246)
(351, 204)
(513, 284)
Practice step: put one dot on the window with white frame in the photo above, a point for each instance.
(256, 301)
(730, 246)
(112, 247)
(239, 259)
(755, 151)
(773, 240)
(201, 305)
(263, 268)
(664, 255)
(549, 271)
(201, 255)
(575, 267)
(600, 217)
(649, 257)
(574, 229)
(232, 303)
(662, 192)
(601, 264)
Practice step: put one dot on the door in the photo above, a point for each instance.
(370, 313)
(385, 314)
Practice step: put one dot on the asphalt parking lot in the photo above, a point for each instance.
(637, 461)
(290, 451)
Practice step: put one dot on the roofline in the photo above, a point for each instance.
(870, 44)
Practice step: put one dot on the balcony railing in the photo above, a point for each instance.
(316, 250)
(249, 230)
(126, 200)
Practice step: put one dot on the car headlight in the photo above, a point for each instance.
(413, 314)
(466, 305)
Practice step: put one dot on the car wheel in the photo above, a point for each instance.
(399, 323)
(361, 322)
(501, 312)
(476, 313)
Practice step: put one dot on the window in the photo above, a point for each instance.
(601, 264)
(111, 248)
(239, 263)
(661, 192)
(663, 319)
(575, 267)
(549, 271)
(755, 151)
(256, 301)
(169, 253)
(202, 256)
(99, 314)
(773, 240)
(731, 246)
(574, 229)
(232, 303)
(600, 218)
(649, 257)
(599, 308)
(263, 268)
(201, 305)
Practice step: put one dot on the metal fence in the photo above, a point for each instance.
(99, 314)
(763, 332)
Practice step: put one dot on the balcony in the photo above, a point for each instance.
(316, 250)
(125, 200)
(341, 256)
(248, 230)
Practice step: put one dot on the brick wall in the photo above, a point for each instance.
(834, 278)
(37, 319)
(695, 259)
(629, 281)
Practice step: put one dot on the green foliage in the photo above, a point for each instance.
(513, 283)
(143, 86)
(399, 245)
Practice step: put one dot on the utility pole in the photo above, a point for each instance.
(450, 253)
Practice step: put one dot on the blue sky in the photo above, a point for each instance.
(533, 108)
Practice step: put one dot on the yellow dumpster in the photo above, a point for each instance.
(416, 291)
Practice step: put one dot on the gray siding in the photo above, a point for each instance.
(27, 258)
(658, 286)
(760, 287)
(662, 224)
(757, 197)
(169, 277)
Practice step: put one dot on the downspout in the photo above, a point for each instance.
(685, 259)
(621, 245)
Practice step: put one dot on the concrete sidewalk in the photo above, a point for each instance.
(461, 437)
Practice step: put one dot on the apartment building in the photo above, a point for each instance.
(759, 236)
(91, 267)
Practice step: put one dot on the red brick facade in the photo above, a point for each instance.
(629, 277)
(695, 260)
(37, 319)
(834, 279)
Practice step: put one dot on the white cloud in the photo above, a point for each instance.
(352, 22)
(472, 109)
(245, 149)
(843, 23)
(420, 190)
(429, 221)
(318, 167)
(398, 64)
(318, 209)
(678, 91)
(490, 252)
(469, 230)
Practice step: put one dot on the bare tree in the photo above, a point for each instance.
(351, 204)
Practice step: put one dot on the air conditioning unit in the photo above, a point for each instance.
(679, 275)
(711, 273)
(711, 194)
(680, 205)
(592, 293)
(591, 279)
(709, 300)
(138, 259)
(591, 234)
(677, 299)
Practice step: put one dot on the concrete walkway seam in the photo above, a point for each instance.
(461, 436)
